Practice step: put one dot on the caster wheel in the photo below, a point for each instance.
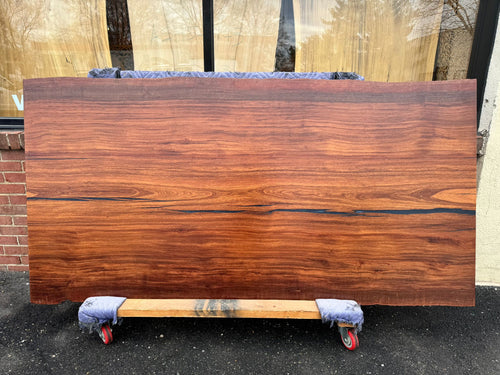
(105, 334)
(349, 338)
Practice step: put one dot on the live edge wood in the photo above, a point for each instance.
(189, 188)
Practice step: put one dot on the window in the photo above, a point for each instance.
(383, 40)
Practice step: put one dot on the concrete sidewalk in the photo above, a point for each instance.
(45, 339)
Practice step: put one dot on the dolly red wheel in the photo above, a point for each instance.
(349, 338)
(105, 334)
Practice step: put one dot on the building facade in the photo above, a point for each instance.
(383, 40)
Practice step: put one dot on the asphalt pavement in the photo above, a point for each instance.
(45, 339)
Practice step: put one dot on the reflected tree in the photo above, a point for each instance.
(456, 37)
(48, 38)
(384, 40)
(119, 36)
(18, 22)
(463, 11)
(246, 32)
(166, 34)
(285, 46)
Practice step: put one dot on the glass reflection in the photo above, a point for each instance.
(167, 34)
(246, 32)
(455, 39)
(383, 40)
(48, 38)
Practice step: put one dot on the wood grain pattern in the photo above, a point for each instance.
(219, 308)
(251, 189)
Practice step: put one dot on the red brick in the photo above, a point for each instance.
(13, 210)
(13, 231)
(5, 220)
(11, 166)
(21, 139)
(14, 141)
(18, 199)
(20, 220)
(15, 177)
(19, 268)
(4, 141)
(9, 259)
(2, 178)
(15, 250)
(12, 189)
(3, 268)
(13, 155)
(23, 240)
(8, 240)
(4, 199)
(24, 259)
(23, 166)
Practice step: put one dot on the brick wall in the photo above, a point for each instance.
(13, 225)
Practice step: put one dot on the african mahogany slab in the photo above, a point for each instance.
(193, 188)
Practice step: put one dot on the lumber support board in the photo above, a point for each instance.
(219, 308)
(192, 188)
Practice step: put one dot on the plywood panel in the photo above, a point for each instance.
(386, 40)
(251, 189)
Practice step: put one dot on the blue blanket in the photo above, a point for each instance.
(96, 311)
(117, 73)
(341, 311)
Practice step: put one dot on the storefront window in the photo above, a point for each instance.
(383, 40)
(48, 38)
(458, 24)
(246, 33)
(167, 34)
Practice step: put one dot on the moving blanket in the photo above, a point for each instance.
(117, 73)
(340, 311)
(96, 311)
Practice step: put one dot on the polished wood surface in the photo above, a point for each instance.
(251, 189)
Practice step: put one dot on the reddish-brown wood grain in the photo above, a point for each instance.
(251, 189)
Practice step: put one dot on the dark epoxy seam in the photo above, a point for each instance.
(353, 213)
(86, 199)
(296, 210)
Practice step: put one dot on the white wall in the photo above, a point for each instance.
(488, 196)
(493, 81)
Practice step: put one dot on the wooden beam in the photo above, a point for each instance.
(219, 308)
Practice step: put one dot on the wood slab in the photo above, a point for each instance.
(193, 188)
